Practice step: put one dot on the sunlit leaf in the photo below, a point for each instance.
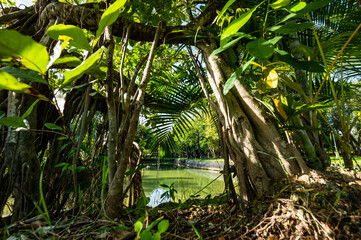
(308, 8)
(13, 121)
(237, 24)
(280, 3)
(70, 61)
(138, 226)
(31, 54)
(9, 82)
(109, 17)
(24, 74)
(272, 79)
(297, 7)
(76, 73)
(279, 108)
(77, 35)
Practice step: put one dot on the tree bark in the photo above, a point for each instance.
(129, 126)
(254, 144)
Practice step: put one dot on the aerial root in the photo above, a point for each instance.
(287, 220)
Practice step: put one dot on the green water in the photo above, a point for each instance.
(186, 181)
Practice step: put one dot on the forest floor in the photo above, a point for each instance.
(319, 205)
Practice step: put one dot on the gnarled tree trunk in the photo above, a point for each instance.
(254, 144)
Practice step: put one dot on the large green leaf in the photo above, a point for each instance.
(70, 61)
(310, 66)
(24, 74)
(308, 8)
(77, 35)
(13, 121)
(260, 49)
(9, 82)
(31, 54)
(280, 3)
(232, 79)
(237, 24)
(108, 17)
(231, 43)
(78, 72)
(291, 28)
(296, 7)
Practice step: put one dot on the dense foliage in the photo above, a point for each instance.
(89, 89)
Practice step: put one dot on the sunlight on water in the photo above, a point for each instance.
(186, 181)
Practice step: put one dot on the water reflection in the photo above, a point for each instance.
(186, 181)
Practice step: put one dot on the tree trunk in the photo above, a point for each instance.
(253, 142)
(21, 160)
(128, 128)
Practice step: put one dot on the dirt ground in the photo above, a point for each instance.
(319, 205)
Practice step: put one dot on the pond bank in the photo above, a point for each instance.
(209, 165)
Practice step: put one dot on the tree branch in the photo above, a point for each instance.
(89, 18)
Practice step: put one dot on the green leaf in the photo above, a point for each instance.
(53, 126)
(260, 49)
(297, 7)
(24, 74)
(109, 17)
(163, 226)
(280, 3)
(146, 235)
(232, 79)
(308, 8)
(237, 24)
(30, 109)
(272, 79)
(157, 236)
(78, 72)
(9, 82)
(154, 223)
(31, 54)
(138, 226)
(224, 9)
(274, 40)
(291, 28)
(231, 43)
(314, 6)
(77, 35)
(310, 66)
(70, 61)
(13, 121)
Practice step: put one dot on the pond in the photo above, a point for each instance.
(186, 181)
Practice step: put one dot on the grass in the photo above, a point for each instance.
(356, 160)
